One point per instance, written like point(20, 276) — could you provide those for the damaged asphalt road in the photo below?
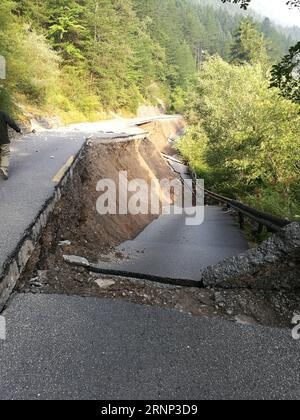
point(122, 338)
point(37, 160)
point(62, 347)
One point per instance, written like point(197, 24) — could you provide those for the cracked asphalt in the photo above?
point(65, 347)
point(36, 159)
point(170, 249)
point(61, 347)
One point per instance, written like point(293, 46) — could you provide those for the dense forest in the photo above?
point(80, 58)
point(243, 136)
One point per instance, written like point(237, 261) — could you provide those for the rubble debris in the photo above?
point(64, 243)
point(273, 265)
point(74, 260)
point(104, 284)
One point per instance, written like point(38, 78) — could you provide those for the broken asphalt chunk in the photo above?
point(74, 260)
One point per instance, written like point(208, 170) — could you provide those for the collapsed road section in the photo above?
point(76, 231)
point(41, 170)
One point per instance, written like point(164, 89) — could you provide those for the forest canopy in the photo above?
point(243, 136)
point(286, 74)
point(78, 58)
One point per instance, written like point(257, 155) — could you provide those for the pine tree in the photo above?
point(249, 44)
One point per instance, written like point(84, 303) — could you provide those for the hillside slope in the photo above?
point(79, 59)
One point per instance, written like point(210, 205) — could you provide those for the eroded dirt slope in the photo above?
point(91, 235)
point(76, 218)
point(160, 133)
point(76, 221)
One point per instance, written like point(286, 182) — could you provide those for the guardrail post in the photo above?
point(241, 220)
point(226, 207)
point(264, 220)
point(260, 228)
point(194, 189)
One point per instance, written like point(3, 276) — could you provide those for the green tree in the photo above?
point(242, 140)
point(249, 45)
point(285, 75)
point(98, 55)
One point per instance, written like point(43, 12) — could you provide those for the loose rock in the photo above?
point(74, 260)
point(272, 265)
point(105, 284)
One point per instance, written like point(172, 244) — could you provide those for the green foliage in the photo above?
point(286, 75)
point(276, 44)
point(77, 58)
point(248, 132)
point(249, 44)
point(276, 200)
point(178, 98)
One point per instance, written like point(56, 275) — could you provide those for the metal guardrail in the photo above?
point(262, 219)
point(272, 223)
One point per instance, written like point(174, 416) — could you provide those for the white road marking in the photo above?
point(60, 174)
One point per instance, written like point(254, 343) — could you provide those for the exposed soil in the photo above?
point(274, 309)
point(161, 133)
point(87, 234)
point(76, 218)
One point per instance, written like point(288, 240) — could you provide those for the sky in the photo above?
point(278, 11)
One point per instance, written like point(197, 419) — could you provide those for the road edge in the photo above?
point(16, 262)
